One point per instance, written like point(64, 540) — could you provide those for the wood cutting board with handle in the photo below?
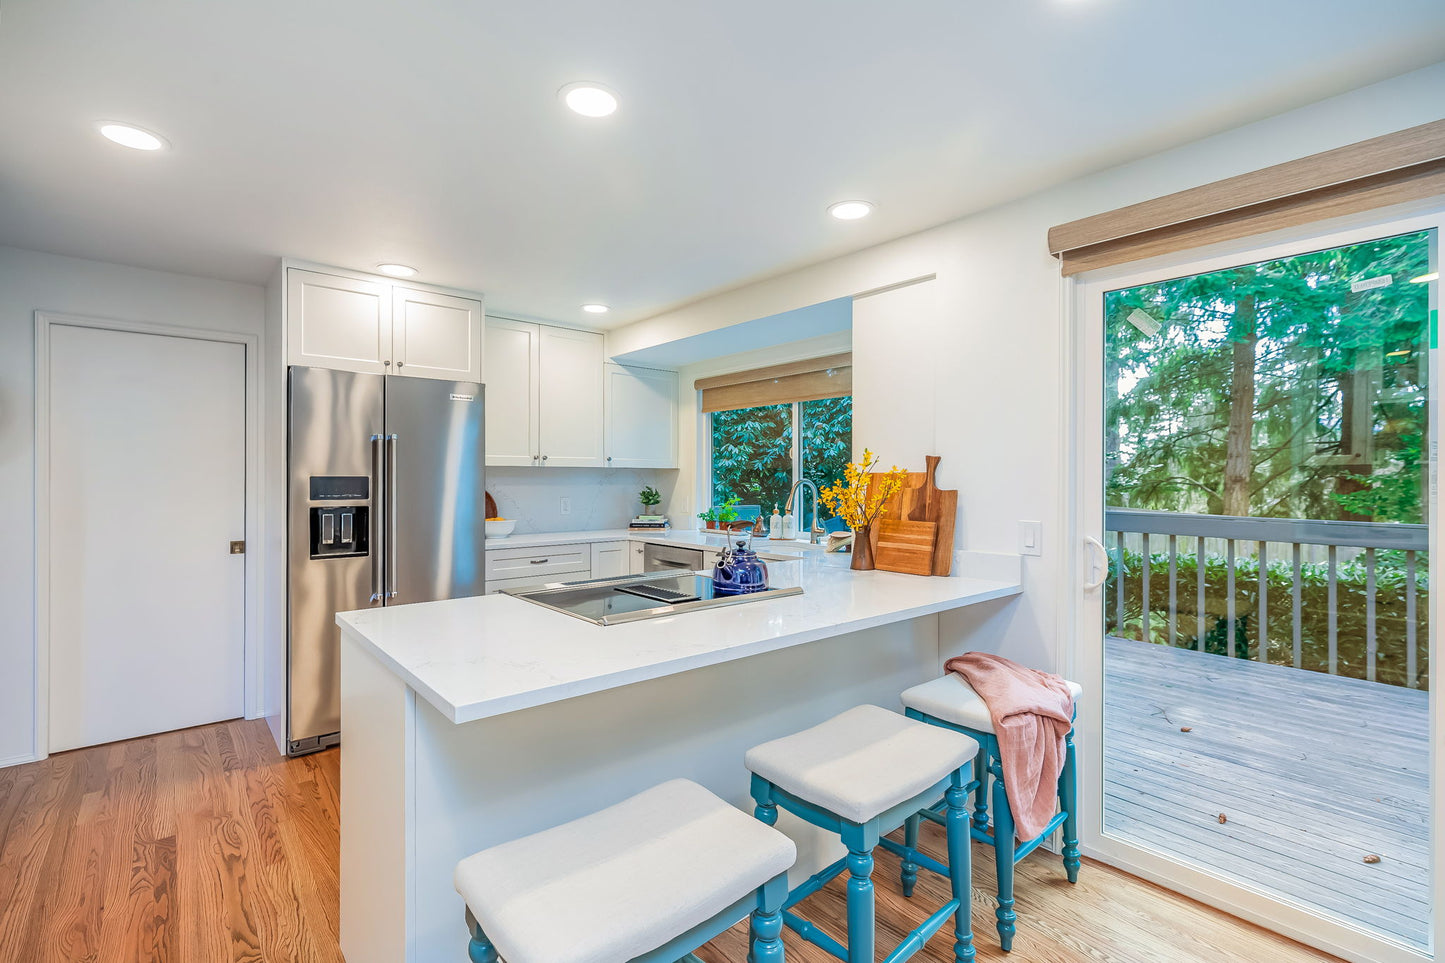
point(898, 539)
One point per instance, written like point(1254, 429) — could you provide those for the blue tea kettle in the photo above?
point(739, 571)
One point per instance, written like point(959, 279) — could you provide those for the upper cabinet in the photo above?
point(436, 335)
point(376, 326)
point(571, 398)
point(514, 361)
point(641, 416)
point(544, 395)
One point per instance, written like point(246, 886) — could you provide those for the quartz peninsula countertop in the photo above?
point(475, 658)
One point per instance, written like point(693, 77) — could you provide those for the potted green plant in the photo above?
point(709, 518)
point(650, 499)
point(728, 513)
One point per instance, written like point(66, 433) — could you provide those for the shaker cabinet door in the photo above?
point(513, 377)
point(571, 398)
point(436, 335)
point(641, 417)
point(337, 322)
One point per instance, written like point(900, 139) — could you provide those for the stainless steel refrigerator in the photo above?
point(386, 505)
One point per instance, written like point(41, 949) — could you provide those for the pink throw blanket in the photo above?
point(1032, 712)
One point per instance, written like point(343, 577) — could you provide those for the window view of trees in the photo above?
point(753, 452)
point(1292, 388)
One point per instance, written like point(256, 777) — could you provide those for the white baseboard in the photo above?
point(19, 760)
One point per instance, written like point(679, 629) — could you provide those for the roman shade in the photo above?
point(782, 384)
point(1407, 165)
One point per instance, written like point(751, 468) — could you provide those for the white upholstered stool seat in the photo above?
point(862, 762)
point(953, 700)
point(621, 882)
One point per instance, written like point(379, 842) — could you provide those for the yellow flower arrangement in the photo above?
point(857, 502)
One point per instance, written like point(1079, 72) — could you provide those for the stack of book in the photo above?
point(648, 523)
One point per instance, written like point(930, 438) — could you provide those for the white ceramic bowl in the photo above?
point(501, 527)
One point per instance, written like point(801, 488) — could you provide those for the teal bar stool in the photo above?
point(861, 775)
point(648, 880)
point(950, 703)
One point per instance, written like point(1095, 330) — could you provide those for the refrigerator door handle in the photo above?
point(390, 545)
point(379, 541)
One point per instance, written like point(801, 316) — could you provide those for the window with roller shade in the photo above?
point(771, 426)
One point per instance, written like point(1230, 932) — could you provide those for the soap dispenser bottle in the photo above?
point(790, 524)
point(775, 524)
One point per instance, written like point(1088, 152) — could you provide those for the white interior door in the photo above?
point(147, 461)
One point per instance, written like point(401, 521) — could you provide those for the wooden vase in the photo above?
point(862, 549)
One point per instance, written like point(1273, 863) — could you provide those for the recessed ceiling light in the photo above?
point(850, 210)
point(132, 137)
point(1426, 278)
point(397, 270)
point(595, 308)
point(589, 99)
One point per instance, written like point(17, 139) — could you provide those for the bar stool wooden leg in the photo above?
point(1069, 803)
point(861, 934)
point(980, 795)
point(960, 864)
point(767, 921)
point(480, 949)
point(1003, 848)
point(909, 873)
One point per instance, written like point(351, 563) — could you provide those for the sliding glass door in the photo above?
point(1255, 481)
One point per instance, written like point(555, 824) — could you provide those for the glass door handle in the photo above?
point(1103, 562)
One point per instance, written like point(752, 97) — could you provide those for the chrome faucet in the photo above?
point(816, 529)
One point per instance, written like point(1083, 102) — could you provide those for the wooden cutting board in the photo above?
point(904, 546)
point(920, 501)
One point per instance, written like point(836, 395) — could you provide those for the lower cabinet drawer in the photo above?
point(509, 563)
point(507, 584)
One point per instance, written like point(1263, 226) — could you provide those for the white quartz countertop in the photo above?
point(474, 658)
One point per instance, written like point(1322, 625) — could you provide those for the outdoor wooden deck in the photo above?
point(1312, 771)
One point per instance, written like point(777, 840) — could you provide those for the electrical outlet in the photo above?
point(1031, 538)
point(566, 507)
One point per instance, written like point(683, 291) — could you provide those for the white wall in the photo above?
point(989, 382)
point(30, 281)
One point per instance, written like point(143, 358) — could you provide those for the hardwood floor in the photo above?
point(205, 846)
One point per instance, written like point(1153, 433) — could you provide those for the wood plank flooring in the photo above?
point(206, 846)
point(1313, 772)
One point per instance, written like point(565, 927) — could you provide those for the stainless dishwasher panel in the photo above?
point(663, 558)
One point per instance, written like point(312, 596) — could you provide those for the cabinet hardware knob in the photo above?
point(387, 363)
point(544, 457)
point(609, 457)
point(401, 364)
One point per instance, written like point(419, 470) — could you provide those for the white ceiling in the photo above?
point(354, 132)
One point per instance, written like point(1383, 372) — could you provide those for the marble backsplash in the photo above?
point(600, 497)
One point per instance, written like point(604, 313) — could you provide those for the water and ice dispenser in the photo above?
point(339, 528)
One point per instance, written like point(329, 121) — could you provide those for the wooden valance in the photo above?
point(1407, 165)
point(780, 384)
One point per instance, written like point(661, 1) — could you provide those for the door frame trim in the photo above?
point(1084, 653)
point(252, 698)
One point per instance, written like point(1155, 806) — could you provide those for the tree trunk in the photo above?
point(1239, 445)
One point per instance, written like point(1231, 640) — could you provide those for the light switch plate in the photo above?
point(566, 507)
point(1031, 538)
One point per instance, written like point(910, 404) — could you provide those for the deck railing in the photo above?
point(1165, 540)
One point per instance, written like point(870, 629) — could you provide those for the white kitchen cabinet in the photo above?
point(641, 417)
point(636, 561)
point(610, 559)
point(513, 377)
point(338, 322)
point(435, 335)
point(376, 326)
point(571, 398)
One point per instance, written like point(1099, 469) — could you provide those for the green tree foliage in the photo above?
point(1275, 388)
point(752, 450)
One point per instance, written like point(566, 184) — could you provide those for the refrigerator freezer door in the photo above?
point(333, 416)
point(436, 506)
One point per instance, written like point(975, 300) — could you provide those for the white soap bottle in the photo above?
point(790, 524)
point(775, 524)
